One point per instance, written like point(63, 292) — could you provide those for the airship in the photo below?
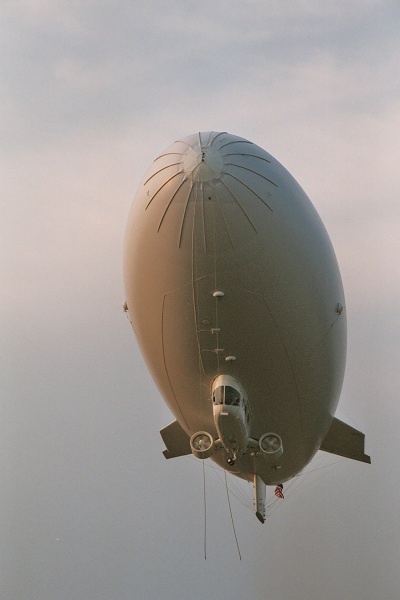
point(234, 294)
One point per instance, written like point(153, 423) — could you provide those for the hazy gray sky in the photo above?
point(91, 92)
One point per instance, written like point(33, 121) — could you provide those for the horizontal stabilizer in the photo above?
point(346, 441)
point(176, 440)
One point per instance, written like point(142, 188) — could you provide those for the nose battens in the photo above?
point(203, 164)
point(228, 175)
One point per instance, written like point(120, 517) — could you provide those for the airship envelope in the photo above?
point(235, 296)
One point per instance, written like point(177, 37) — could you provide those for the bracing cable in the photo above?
point(233, 524)
point(205, 512)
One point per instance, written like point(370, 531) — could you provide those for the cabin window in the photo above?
point(218, 396)
point(227, 395)
point(247, 412)
point(232, 396)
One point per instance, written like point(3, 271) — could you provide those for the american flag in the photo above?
point(279, 491)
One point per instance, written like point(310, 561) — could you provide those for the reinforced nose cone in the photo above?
point(203, 164)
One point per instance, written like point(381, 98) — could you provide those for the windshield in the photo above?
point(232, 396)
point(218, 395)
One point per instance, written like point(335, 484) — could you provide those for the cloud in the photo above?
point(133, 60)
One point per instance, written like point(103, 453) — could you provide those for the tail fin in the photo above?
point(176, 440)
point(346, 441)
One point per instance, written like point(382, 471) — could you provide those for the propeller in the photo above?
point(201, 442)
point(271, 443)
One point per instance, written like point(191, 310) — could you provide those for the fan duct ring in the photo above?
point(271, 445)
point(202, 444)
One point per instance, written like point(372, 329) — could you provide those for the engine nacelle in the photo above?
point(202, 444)
point(271, 445)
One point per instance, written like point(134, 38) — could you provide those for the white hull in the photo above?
point(229, 270)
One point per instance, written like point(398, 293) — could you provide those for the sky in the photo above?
point(91, 92)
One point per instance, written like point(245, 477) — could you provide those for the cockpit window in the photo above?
point(246, 412)
point(218, 395)
point(232, 396)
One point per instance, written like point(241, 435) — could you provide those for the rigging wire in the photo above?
point(205, 512)
point(241, 495)
point(233, 524)
point(235, 490)
point(300, 480)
